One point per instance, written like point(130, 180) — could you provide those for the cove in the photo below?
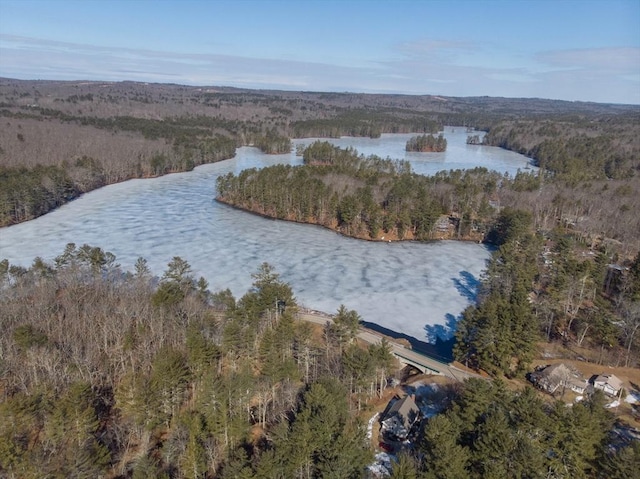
point(417, 289)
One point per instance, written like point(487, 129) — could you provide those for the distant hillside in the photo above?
point(148, 99)
point(60, 138)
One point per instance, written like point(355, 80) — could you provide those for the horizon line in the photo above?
point(342, 92)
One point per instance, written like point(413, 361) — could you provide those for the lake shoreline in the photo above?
point(150, 177)
point(386, 238)
point(417, 288)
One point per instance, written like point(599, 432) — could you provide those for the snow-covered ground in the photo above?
point(370, 425)
point(633, 397)
point(382, 465)
point(427, 398)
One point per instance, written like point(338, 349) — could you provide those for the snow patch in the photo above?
point(370, 425)
point(427, 398)
point(382, 465)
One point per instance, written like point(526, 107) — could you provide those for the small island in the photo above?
point(474, 140)
point(427, 144)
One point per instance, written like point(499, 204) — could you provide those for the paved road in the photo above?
point(371, 337)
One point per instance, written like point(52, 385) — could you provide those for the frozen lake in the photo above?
point(417, 289)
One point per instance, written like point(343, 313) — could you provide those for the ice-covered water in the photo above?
point(414, 288)
point(459, 155)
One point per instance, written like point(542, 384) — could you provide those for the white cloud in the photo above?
point(622, 60)
point(430, 47)
point(512, 76)
point(26, 57)
point(424, 67)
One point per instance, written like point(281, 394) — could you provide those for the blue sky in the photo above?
point(586, 50)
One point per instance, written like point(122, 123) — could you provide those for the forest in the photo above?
point(120, 374)
point(111, 373)
point(108, 373)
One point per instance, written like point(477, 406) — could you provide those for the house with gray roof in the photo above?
point(400, 417)
point(608, 383)
point(552, 378)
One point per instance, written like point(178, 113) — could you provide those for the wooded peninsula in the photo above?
point(120, 374)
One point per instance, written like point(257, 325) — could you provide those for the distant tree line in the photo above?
point(26, 193)
point(368, 122)
point(574, 149)
point(474, 140)
point(273, 143)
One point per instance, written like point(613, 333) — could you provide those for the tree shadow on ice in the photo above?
point(443, 334)
point(467, 285)
point(440, 349)
point(440, 338)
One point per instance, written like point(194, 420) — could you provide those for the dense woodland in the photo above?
point(109, 373)
point(117, 374)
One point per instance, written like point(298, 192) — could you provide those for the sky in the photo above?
point(576, 50)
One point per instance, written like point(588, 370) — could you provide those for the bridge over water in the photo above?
point(406, 356)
